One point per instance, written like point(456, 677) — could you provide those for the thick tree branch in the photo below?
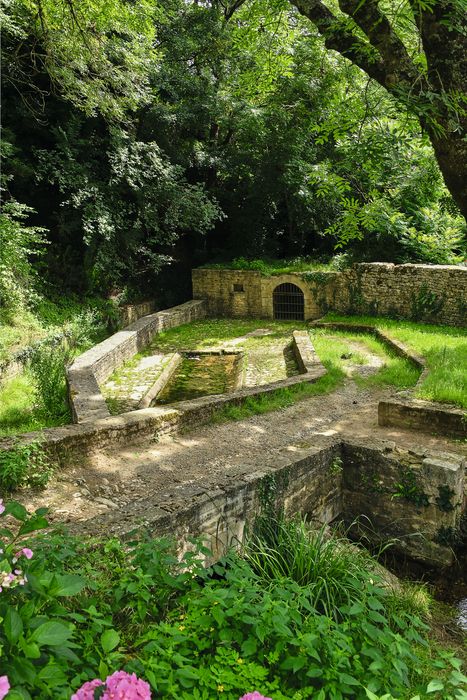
point(376, 26)
point(340, 39)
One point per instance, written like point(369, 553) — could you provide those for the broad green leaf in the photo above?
point(70, 584)
point(13, 625)
point(51, 633)
point(434, 686)
point(109, 640)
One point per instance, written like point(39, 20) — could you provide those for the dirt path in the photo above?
point(132, 479)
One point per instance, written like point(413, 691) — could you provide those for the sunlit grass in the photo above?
point(17, 408)
point(283, 398)
point(395, 371)
point(443, 347)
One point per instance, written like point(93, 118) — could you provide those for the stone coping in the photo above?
point(414, 414)
point(423, 415)
point(93, 367)
point(307, 481)
point(71, 443)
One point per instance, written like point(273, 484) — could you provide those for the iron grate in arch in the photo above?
point(288, 302)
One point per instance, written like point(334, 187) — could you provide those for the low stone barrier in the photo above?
point(414, 498)
point(423, 415)
point(304, 351)
point(164, 377)
point(72, 443)
point(97, 364)
point(129, 313)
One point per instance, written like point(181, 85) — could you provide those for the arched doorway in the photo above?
point(288, 302)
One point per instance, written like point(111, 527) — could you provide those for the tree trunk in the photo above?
point(451, 154)
point(444, 36)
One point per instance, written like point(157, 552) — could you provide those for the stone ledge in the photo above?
point(424, 416)
point(304, 351)
point(306, 481)
point(161, 381)
point(94, 366)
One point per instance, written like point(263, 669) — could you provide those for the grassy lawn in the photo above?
point(272, 266)
point(84, 324)
point(443, 347)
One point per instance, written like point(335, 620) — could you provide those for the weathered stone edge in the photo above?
point(301, 482)
point(161, 380)
point(75, 441)
point(96, 364)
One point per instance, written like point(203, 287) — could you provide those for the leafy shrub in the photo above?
point(90, 608)
point(47, 365)
point(24, 465)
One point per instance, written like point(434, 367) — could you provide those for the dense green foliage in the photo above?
point(91, 607)
point(149, 138)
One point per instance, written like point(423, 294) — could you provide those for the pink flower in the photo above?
point(26, 552)
point(125, 686)
point(119, 686)
point(254, 696)
point(86, 692)
point(2, 510)
point(4, 685)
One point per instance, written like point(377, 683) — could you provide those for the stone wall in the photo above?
point(414, 497)
point(97, 364)
point(430, 293)
point(129, 313)
point(326, 481)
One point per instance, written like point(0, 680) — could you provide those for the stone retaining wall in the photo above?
point(93, 367)
point(430, 293)
point(329, 480)
point(414, 497)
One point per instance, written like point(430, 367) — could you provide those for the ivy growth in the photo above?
point(426, 304)
point(444, 499)
point(408, 488)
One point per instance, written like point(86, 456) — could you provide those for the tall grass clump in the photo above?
point(333, 570)
point(47, 365)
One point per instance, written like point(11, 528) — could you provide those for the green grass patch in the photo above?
point(395, 371)
point(274, 266)
point(282, 398)
point(443, 347)
point(17, 408)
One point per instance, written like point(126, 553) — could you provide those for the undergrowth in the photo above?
point(294, 616)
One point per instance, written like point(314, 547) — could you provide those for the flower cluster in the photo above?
point(254, 696)
point(4, 686)
point(119, 686)
point(14, 576)
point(10, 574)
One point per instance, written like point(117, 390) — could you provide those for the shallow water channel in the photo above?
point(201, 375)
